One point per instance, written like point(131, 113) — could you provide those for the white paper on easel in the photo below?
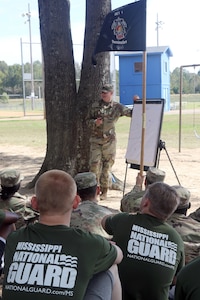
point(154, 114)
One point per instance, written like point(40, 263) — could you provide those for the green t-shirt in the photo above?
point(52, 262)
point(153, 254)
point(188, 284)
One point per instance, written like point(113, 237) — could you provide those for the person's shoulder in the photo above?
point(116, 104)
point(172, 232)
point(180, 220)
point(86, 206)
point(133, 195)
point(192, 251)
point(131, 201)
point(16, 235)
point(120, 217)
point(19, 197)
point(90, 237)
point(2, 216)
point(97, 104)
point(189, 269)
point(195, 215)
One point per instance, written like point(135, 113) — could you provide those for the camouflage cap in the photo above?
point(10, 177)
point(107, 88)
point(184, 195)
point(85, 180)
point(155, 175)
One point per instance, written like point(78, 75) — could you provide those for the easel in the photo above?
point(160, 147)
point(153, 144)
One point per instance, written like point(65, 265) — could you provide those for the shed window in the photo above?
point(138, 67)
point(165, 66)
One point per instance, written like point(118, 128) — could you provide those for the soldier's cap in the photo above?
point(85, 180)
point(184, 195)
point(155, 175)
point(10, 177)
point(107, 88)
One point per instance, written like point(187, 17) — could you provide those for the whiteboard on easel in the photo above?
point(154, 116)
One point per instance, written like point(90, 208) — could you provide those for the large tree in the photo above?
point(66, 109)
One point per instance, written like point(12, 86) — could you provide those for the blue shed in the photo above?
point(157, 75)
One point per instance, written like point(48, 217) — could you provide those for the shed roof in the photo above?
point(155, 49)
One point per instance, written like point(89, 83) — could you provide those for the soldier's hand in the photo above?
point(139, 180)
point(136, 98)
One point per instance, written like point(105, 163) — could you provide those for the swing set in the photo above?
point(180, 105)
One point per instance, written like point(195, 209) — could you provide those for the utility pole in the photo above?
point(28, 15)
point(158, 26)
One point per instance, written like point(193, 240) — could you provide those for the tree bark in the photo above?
point(92, 77)
point(66, 110)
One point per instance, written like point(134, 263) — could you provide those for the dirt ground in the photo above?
point(184, 166)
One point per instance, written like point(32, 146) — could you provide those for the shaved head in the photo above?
point(55, 191)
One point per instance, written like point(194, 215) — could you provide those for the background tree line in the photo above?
point(11, 81)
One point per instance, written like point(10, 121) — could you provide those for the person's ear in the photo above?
point(144, 203)
point(98, 190)
point(76, 201)
point(34, 203)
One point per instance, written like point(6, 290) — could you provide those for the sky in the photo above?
point(179, 29)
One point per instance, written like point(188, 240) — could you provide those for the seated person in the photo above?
point(129, 200)
point(188, 283)
point(89, 213)
point(51, 260)
point(188, 228)
point(12, 200)
point(153, 250)
point(195, 215)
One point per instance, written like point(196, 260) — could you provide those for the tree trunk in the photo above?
point(66, 111)
point(92, 77)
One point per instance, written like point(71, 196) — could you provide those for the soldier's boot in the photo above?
point(103, 195)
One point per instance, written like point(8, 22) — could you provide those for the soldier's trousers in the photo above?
point(102, 158)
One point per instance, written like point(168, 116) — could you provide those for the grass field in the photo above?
point(33, 132)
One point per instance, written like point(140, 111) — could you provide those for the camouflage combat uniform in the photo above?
point(103, 138)
point(88, 216)
point(131, 201)
point(20, 205)
point(195, 215)
point(15, 202)
point(189, 230)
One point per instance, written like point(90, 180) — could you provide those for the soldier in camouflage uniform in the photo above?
point(195, 215)
point(188, 228)
point(103, 116)
point(12, 200)
point(131, 201)
point(89, 214)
